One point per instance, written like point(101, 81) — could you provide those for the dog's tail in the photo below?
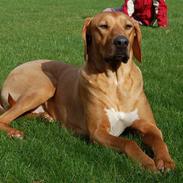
point(11, 103)
point(1, 106)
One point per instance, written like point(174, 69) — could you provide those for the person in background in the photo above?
point(146, 12)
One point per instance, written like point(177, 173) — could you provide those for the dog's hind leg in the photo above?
point(26, 102)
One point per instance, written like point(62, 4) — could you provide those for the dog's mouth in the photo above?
point(118, 58)
point(121, 57)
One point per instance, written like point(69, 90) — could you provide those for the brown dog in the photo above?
point(100, 99)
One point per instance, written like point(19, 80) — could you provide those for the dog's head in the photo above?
point(113, 36)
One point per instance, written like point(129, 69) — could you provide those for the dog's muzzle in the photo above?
point(121, 42)
point(121, 45)
point(120, 50)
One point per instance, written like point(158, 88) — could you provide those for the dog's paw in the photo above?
point(165, 165)
point(15, 134)
point(150, 165)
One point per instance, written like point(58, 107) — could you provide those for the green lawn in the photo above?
point(51, 29)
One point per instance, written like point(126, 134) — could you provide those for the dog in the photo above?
point(100, 99)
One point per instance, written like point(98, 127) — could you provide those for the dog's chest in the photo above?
point(119, 121)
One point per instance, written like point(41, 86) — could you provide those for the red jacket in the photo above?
point(146, 11)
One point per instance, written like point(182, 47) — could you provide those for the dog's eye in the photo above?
point(104, 26)
point(128, 26)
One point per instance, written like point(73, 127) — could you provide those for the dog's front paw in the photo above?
point(15, 134)
point(165, 164)
point(150, 165)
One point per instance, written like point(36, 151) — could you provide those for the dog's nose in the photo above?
point(121, 41)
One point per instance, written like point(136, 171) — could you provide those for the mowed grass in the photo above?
point(51, 29)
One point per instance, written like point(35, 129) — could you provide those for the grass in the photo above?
point(52, 29)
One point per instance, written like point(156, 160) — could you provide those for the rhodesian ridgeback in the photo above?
point(100, 99)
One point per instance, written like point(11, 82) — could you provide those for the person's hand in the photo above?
point(163, 26)
point(136, 21)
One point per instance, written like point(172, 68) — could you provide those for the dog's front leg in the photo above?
point(99, 132)
point(152, 136)
point(123, 145)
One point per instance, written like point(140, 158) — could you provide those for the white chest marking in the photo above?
point(119, 121)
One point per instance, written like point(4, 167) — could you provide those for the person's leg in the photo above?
point(112, 9)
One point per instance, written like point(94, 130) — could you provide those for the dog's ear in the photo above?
point(137, 42)
point(86, 35)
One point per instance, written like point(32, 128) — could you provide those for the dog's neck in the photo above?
point(95, 64)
